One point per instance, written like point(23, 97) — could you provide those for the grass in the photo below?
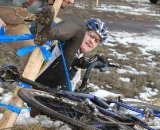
point(136, 60)
point(31, 127)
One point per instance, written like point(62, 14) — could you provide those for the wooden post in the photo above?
point(97, 3)
point(31, 71)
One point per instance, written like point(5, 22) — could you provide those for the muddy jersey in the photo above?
point(37, 5)
point(70, 32)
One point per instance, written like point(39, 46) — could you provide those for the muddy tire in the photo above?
point(70, 111)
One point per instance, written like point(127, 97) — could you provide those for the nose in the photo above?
point(92, 41)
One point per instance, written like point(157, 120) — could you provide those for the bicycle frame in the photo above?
point(104, 110)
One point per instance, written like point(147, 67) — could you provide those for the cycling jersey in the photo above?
point(70, 32)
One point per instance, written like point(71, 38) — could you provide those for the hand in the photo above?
point(102, 62)
point(2, 23)
point(99, 58)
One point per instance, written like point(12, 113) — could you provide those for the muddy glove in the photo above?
point(103, 63)
point(85, 62)
point(82, 62)
point(43, 24)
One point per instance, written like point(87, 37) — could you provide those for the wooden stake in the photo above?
point(31, 71)
point(97, 3)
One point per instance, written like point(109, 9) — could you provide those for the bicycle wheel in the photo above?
point(147, 111)
point(141, 105)
point(72, 112)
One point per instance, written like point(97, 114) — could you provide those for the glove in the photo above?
point(97, 57)
point(82, 62)
point(102, 63)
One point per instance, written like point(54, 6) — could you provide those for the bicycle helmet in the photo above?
point(99, 27)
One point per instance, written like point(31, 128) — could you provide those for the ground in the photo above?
point(132, 19)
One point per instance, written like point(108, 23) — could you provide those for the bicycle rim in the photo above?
point(64, 109)
point(141, 105)
point(33, 97)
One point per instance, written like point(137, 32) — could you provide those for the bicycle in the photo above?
point(79, 110)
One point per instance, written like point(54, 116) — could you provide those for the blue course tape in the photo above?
point(11, 107)
point(14, 108)
point(65, 67)
point(24, 85)
point(7, 38)
point(46, 54)
point(25, 50)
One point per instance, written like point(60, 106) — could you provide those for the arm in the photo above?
point(69, 28)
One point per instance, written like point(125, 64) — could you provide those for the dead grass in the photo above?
point(32, 127)
point(135, 60)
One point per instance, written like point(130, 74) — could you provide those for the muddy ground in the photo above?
point(124, 22)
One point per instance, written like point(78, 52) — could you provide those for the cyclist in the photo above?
point(14, 12)
point(78, 37)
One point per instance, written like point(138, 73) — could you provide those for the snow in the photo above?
point(1, 90)
point(105, 94)
point(147, 41)
point(125, 79)
point(147, 94)
point(7, 97)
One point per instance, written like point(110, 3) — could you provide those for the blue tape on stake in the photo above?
point(46, 54)
point(25, 50)
point(11, 107)
point(24, 85)
point(7, 38)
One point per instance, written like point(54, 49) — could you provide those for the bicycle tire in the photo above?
point(141, 105)
point(28, 95)
point(31, 96)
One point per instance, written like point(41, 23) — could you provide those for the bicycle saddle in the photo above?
point(9, 73)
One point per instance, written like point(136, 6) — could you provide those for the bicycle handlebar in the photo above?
point(96, 64)
point(10, 73)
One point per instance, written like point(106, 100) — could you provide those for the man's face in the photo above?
point(65, 3)
point(90, 42)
